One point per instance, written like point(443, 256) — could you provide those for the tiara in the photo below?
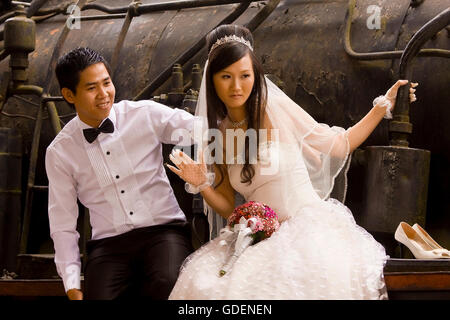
point(226, 39)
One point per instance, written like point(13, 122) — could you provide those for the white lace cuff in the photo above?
point(383, 102)
point(196, 189)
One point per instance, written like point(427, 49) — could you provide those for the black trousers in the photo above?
point(144, 262)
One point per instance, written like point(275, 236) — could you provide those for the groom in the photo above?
point(110, 158)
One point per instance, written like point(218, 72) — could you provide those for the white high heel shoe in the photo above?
point(420, 248)
point(425, 236)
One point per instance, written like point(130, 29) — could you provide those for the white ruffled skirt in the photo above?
point(318, 253)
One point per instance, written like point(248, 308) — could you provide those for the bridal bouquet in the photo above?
point(248, 224)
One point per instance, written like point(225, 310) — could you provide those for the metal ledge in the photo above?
point(405, 279)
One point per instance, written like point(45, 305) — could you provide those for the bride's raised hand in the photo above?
point(192, 172)
point(391, 94)
point(388, 100)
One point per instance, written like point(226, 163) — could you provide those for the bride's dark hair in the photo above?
point(220, 58)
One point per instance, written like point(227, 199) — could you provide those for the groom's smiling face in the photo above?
point(94, 94)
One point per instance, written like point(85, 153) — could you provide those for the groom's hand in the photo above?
point(75, 294)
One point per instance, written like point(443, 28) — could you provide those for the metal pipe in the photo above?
point(34, 7)
point(103, 17)
point(262, 15)
point(27, 89)
point(146, 8)
point(54, 118)
point(50, 98)
point(400, 127)
point(6, 16)
point(48, 101)
point(163, 6)
point(40, 188)
point(30, 182)
point(20, 3)
point(187, 4)
point(382, 55)
point(123, 32)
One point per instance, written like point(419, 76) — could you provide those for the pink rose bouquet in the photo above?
point(249, 223)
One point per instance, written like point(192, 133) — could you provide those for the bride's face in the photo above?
point(234, 83)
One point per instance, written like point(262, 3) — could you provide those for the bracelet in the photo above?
point(196, 189)
point(383, 102)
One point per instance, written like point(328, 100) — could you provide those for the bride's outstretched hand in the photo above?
point(193, 172)
point(388, 100)
point(391, 94)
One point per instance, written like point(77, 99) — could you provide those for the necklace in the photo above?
point(237, 124)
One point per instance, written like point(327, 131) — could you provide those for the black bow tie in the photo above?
point(92, 133)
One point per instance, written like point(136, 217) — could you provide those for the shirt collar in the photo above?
point(111, 116)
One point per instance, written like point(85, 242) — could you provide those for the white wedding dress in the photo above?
point(319, 252)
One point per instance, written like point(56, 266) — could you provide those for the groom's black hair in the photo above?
point(70, 65)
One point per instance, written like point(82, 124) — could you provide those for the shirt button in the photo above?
point(108, 153)
point(122, 191)
point(117, 177)
point(131, 212)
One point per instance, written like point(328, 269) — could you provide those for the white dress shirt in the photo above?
point(120, 178)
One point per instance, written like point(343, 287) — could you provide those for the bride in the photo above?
point(319, 252)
